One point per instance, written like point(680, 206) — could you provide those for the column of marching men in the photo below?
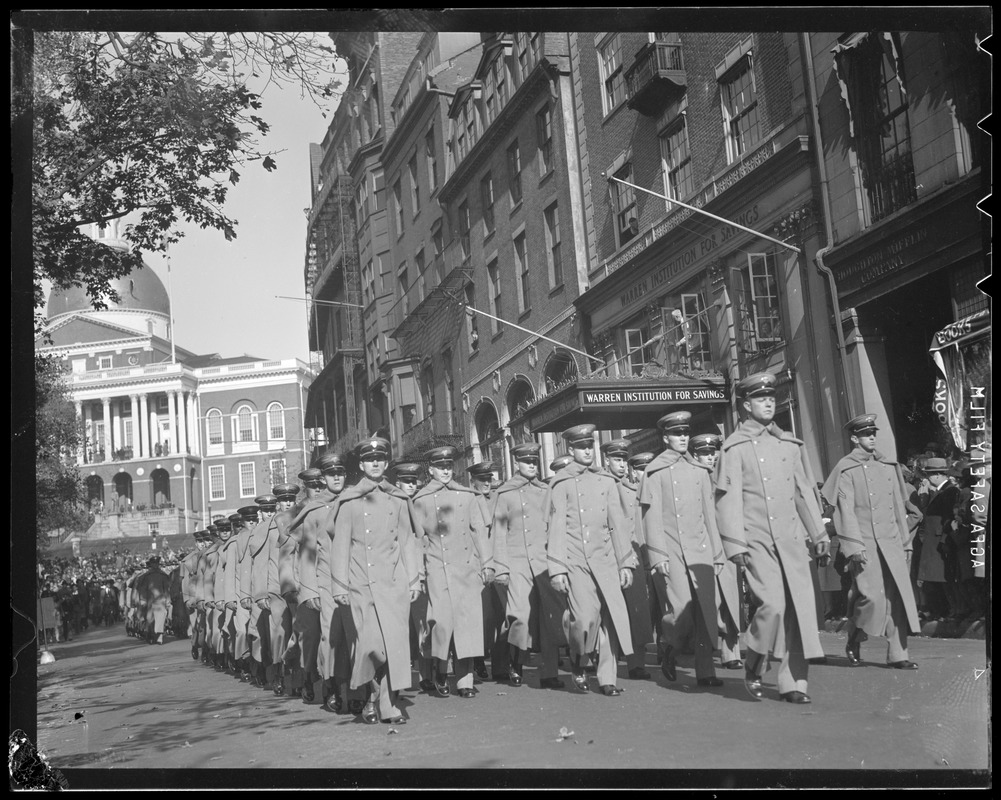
point(335, 593)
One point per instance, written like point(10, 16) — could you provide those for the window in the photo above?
point(514, 172)
point(213, 424)
point(276, 421)
point(248, 480)
point(494, 281)
point(368, 283)
point(153, 529)
point(490, 95)
point(676, 160)
point(398, 207)
point(361, 201)
point(740, 108)
point(544, 129)
point(404, 283)
point(104, 362)
point(127, 433)
point(613, 85)
point(487, 197)
point(415, 188)
point(245, 426)
point(626, 225)
point(521, 271)
point(765, 296)
point(79, 365)
point(694, 332)
point(536, 47)
point(472, 327)
point(878, 111)
point(521, 43)
point(464, 230)
point(439, 262)
point(638, 354)
point(554, 261)
point(432, 160)
point(500, 79)
point(217, 482)
point(421, 283)
point(276, 466)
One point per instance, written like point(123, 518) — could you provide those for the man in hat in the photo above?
point(207, 567)
point(376, 572)
point(310, 521)
point(590, 560)
point(767, 508)
point(190, 591)
point(866, 489)
point(280, 581)
point(249, 517)
point(154, 598)
point(534, 612)
point(558, 463)
point(458, 563)
point(937, 558)
point(493, 596)
point(255, 586)
point(616, 457)
point(408, 481)
point(686, 555)
point(226, 583)
point(637, 466)
point(705, 448)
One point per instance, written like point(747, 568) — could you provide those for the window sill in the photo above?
point(246, 447)
point(515, 208)
point(614, 110)
point(524, 314)
point(494, 337)
point(556, 289)
point(276, 444)
point(489, 235)
point(545, 178)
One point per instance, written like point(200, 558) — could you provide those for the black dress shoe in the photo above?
point(668, 666)
point(355, 706)
point(481, 674)
point(796, 697)
point(441, 687)
point(307, 693)
point(515, 678)
point(465, 693)
point(903, 665)
point(610, 691)
point(713, 681)
point(368, 715)
point(396, 720)
point(639, 674)
point(752, 683)
point(732, 664)
point(279, 688)
point(194, 653)
point(334, 704)
point(551, 683)
point(426, 686)
point(853, 651)
point(579, 680)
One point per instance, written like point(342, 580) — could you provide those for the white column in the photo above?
point(116, 428)
point(136, 427)
point(106, 402)
point(182, 418)
point(197, 426)
point(83, 431)
point(142, 427)
point(172, 416)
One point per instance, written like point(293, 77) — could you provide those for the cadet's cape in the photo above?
point(669, 458)
point(364, 487)
point(510, 485)
point(434, 485)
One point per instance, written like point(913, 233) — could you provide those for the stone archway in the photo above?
point(520, 395)
point(560, 369)
point(159, 480)
point(488, 436)
point(95, 492)
point(122, 483)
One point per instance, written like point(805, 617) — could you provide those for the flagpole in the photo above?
point(170, 305)
point(534, 333)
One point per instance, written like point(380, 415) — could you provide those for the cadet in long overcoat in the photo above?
point(534, 611)
point(259, 626)
point(376, 569)
point(590, 560)
point(244, 566)
point(493, 595)
point(768, 510)
point(458, 563)
point(190, 590)
point(280, 549)
point(208, 566)
point(684, 548)
point(616, 457)
point(154, 598)
point(225, 588)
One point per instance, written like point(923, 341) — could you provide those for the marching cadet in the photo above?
point(705, 447)
point(638, 464)
point(154, 599)
point(767, 507)
point(337, 633)
point(226, 583)
point(407, 480)
point(309, 522)
point(241, 615)
point(377, 575)
point(534, 612)
point(616, 457)
point(481, 477)
point(190, 577)
point(256, 582)
point(866, 489)
point(458, 565)
point(180, 621)
point(686, 555)
point(557, 464)
point(590, 560)
point(280, 581)
point(206, 583)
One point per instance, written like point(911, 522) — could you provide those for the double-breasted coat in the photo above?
point(518, 532)
point(281, 557)
point(637, 595)
point(588, 540)
point(313, 624)
point(870, 516)
point(456, 552)
point(767, 507)
point(257, 586)
point(375, 561)
point(337, 629)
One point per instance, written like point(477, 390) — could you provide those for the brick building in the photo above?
point(170, 438)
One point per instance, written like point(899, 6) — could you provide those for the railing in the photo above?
point(156, 369)
point(890, 186)
point(653, 61)
point(426, 283)
point(439, 425)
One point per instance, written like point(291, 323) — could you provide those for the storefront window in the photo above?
point(638, 355)
point(756, 294)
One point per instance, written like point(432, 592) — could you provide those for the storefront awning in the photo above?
point(620, 403)
point(962, 353)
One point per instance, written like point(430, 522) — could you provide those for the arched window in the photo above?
point(519, 397)
point(276, 421)
point(213, 427)
point(246, 424)
point(489, 435)
point(560, 370)
point(160, 480)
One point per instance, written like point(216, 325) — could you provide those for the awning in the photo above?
point(621, 403)
point(962, 353)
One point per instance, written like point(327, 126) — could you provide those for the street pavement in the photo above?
point(110, 702)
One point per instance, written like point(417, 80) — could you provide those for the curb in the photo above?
point(935, 629)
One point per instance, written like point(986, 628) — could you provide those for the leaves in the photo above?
point(269, 163)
